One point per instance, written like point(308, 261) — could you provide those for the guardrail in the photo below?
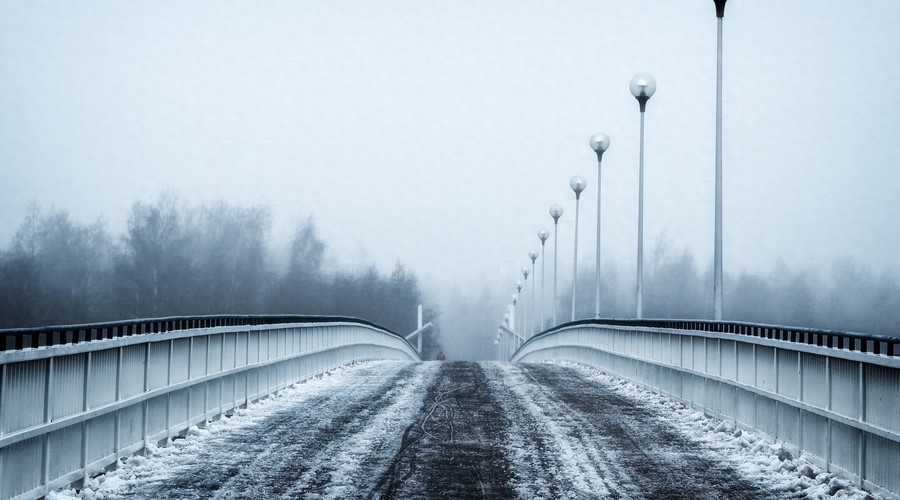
point(833, 395)
point(68, 411)
point(24, 338)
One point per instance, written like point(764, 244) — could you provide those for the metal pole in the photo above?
point(524, 313)
point(599, 143)
point(420, 327)
point(640, 250)
point(575, 257)
point(717, 286)
point(543, 280)
point(597, 271)
point(533, 279)
point(555, 265)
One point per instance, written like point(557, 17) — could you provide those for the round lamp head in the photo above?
point(496, 342)
point(642, 88)
point(543, 234)
point(599, 143)
point(556, 212)
point(533, 255)
point(525, 272)
point(578, 183)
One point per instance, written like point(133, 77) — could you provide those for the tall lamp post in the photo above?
point(556, 212)
point(599, 143)
point(524, 329)
point(717, 284)
point(515, 315)
point(577, 183)
point(515, 299)
point(533, 255)
point(543, 235)
point(642, 88)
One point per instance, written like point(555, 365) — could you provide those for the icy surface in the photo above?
point(763, 461)
point(462, 430)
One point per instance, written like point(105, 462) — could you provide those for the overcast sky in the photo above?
point(438, 133)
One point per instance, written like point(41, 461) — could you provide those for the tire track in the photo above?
point(633, 451)
point(456, 450)
point(291, 453)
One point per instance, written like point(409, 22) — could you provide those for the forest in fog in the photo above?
point(179, 259)
point(844, 295)
point(175, 258)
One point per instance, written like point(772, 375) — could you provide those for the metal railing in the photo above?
point(24, 338)
point(833, 395)
point(70, 410)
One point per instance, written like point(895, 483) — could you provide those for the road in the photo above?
point(442, 430)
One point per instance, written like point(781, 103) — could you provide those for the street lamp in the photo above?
point(543, 235)
point(556, 212)
point(599, 143)
point(533, 255)
point(717, 266)
point(515, 315)
point(642, 88)
point(515, 312)
point(525, 273)
point(577, 183)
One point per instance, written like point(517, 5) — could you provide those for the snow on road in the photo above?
point(466, 430)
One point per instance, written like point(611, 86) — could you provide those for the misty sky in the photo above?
point(438, 133)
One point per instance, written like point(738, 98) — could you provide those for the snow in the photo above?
point(159, 463)
point(757, 458)
point(753, 455)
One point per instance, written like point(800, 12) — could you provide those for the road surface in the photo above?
point(443, 430)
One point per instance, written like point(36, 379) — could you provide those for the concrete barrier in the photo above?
point(70, 411)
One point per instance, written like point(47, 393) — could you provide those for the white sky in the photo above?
point(438, 133)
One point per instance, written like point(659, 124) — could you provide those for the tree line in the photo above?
point(845, 296)
point(177, 259)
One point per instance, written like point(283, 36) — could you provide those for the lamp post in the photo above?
point(533, 255)
point(543, 235)
point(717, 266)
point(642, 88)
point(577, 183)
point(524, 329)
point(514, 340)
point(515, 314)
point(599, 143)
point(501, 336)
point(556, 212)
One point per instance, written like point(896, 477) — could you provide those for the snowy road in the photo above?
point(466, 430)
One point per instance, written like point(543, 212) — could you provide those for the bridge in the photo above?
point(79, 401)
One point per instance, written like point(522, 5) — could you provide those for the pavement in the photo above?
point(452, 430)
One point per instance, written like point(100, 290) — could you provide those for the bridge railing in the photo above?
point(68, 411)
point(834, 396)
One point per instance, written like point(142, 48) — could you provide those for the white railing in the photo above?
point(69, 411)
point(834, 396)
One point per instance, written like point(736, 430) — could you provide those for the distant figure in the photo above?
point(441, 357)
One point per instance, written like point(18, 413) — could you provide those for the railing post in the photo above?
point(862, 418)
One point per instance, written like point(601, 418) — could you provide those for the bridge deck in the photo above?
point(458, 430)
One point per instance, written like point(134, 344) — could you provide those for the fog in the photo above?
point(845, 295)
point(436, 135)
point(177, 259)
